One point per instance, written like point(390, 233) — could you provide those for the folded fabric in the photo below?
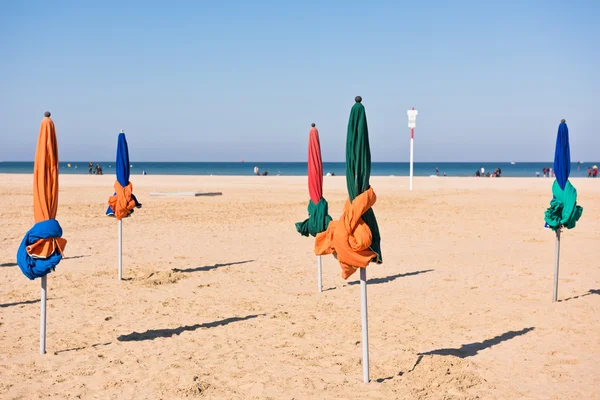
point(318, 219)
point(563, 210)
point(122, 203)
point(41, 249)
point(350, 238)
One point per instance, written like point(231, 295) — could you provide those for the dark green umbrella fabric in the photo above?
point(318, 219)
point(358, 167)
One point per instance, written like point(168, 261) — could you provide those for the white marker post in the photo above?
point(412, 123)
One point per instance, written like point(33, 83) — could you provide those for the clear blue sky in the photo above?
point(226, 80)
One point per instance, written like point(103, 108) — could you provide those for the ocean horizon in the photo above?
point(455, 169)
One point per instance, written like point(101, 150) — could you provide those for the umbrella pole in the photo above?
point(412, 142)
point(120, 249)
point(320, 273)
point(365, 325)
point(43, 316)
point(555, 296)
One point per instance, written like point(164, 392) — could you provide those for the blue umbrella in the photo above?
point(123, 199)
point(123, 170)
point(562, 155)
point(563, 211)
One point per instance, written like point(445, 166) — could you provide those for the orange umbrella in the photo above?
point(42, 247)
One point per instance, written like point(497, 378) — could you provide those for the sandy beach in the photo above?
point(220, 295)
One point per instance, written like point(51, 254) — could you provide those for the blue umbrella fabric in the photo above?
point(562, 156)
point(563, 210)
point(123, 173)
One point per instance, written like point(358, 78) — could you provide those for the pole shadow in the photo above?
point(466, 350)
point(471, 349)
point(74, 257)
point(20, 303)
point(165, 333)
point(81, 348)
point(589, 293)
point(376, 281)
point(210, 267)
point(11, 264)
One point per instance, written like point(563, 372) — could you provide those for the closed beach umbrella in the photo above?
point(123, 202)
point(318, 214)
point(563, 210)
point(42, 247)
point(355, 239)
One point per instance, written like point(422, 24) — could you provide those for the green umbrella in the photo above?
point(358, 172)
point(358, 167)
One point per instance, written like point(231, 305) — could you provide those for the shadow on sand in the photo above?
point(589, 293)
point(210, 267)
point(8, 264)
point(471, 349)
point(81, 348)
point(20, 303)
point(466, 350)
point(165, 333)
point(375, 281)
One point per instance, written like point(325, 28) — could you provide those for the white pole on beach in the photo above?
point(555, 297)
point(320, 272)
point(412, 122)
point(43, 316)
point(120, 223)
point(365, 324)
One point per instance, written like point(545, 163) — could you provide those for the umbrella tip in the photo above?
point(122, 131)
point(563, 120)
point(358, 99)
point(47, 114)
point(313, 125)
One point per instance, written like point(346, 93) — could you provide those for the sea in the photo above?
point(456, 169)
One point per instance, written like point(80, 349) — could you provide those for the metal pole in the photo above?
point(554, 298)
point(120, 249)
point(43, 316)
point(412, 142)
point(365, 324)
point(320, 269)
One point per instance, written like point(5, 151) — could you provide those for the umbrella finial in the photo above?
point(563, 120)
point(122, 131)
point(313, 124)
point(358, 99)
point(47, 114)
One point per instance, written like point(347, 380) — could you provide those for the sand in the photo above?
point(220, 295)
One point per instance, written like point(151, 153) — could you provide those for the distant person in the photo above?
point(482, 170)
point(256, 170)
point(478, 173)
point(444, 174)
point(90, 167)
point(589, 172)
point(265, 173)
point(437, 171)
point(595, 172)
point(144, 172)
point(537, 174)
